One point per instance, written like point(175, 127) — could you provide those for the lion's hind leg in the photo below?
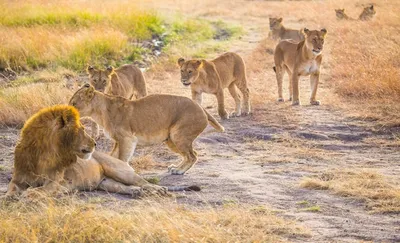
point(236, 97)
point(112, 186)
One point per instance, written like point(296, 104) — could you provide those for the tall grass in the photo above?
point(103, 220)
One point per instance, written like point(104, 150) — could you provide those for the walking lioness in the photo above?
point(157, 118)
point(212, 77)
point(300, 59)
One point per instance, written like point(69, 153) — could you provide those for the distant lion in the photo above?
point(279, 32)
point(340, 14)
point(127, 81)
point(368, 13)
point(175, 120)
point(51, 140)
point(212, 77)
point(300, 59)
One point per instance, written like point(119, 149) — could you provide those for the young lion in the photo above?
point(368, 13)
point(126, 81)
point(300, 59)
point(51, 140)
point(212, 77)
point(158, 118)
point(340, 14)
point(279, 32)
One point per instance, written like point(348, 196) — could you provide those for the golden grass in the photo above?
point(379, 194)
point(106, 220)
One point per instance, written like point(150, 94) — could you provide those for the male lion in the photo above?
point(340, 14)
point(175, 120)
point(367, 13)
point(212, 77)
point(279, 32)
point(51, 140)
point(126, 81)
point(300, 59)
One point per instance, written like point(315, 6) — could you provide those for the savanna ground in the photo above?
point(326, 173)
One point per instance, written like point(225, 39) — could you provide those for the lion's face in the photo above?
point(189, 70)
point(315, 40)
point(275, 23)
point(82, 100)
point(100, 79)
point(83, 145)
point(340, 13)
point(369, 11)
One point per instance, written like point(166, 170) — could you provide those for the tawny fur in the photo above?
point(50, 141)
point(175, 120)
point(341, 15)
point(212, 77)
point(300, 59)
point(368, 13)
point(279, 32)
point(127, 81)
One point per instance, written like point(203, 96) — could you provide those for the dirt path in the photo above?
point(261, 159)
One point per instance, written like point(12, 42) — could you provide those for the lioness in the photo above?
point(279, 32)
point(367, 13)
point(340, 14)
point(300, 59)
point(50, 141)
point(175, 120)
point(212, 77)
point(126, 81)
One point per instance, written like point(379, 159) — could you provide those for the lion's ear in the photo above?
point(306, 31)
point(372, 7)
point(324, 32)
point(280, 20)
point(109, 70)
point(90, 69)
point(67, 118)
point(181, 61)
point(197, 64)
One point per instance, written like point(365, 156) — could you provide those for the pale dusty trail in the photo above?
point(261, 159)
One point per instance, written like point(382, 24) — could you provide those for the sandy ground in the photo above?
point(261, 159)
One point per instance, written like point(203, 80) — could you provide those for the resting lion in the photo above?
point(340, 14)
point(368, 13)
point(279, 32)
point(127, 81)
point(300, 59)
point(175, 120)
point(55, 155)
point(212, 77)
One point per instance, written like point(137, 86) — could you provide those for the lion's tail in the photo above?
point(214, 122)
point(184, 188)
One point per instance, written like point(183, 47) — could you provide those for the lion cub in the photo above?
point(279, 32)
point(126, 81)
point(212, 77)
point(300, 59)
point(175, 120)
point(340, 14)
point(368, 13)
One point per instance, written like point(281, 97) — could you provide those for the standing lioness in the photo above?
point(157, 118)
point(300, 59)
point(212, 77)
point(127, 81)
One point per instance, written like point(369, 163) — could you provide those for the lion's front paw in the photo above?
point(151, 189)
point(236, 113)
point(280, 100)
point(224, 115)
point(315, 102)
point(295, 102)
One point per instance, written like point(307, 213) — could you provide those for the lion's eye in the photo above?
point(190, 72)
point(181, 71)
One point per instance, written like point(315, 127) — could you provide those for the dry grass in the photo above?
point(379, 194)
point(106, 220)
